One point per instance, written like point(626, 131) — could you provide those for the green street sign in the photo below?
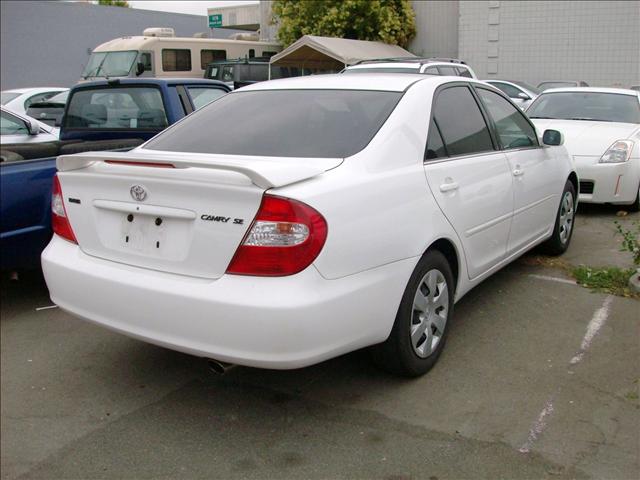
point(215, 20)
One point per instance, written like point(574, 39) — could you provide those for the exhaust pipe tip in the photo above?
point(218, 367)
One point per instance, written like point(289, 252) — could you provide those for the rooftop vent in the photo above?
point(159, 32)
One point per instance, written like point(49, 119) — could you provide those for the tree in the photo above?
point(388, 21)
point(114, 3)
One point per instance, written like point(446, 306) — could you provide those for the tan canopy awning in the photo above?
point(329, 53)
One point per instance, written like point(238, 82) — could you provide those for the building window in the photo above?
point(208, 56)
point(174, 60)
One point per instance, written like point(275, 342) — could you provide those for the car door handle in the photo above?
point(448, 187)
point(518, 172)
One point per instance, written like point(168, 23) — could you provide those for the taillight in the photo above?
point(285, 237)
point(59, 219)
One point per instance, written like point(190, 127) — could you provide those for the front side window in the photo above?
point(176, 60)
point(461, 123)
point(10, 125)
point(201, 96)
point(514, 131)
point(114, 108)
point(227, 73)
point(593, 106)
point(208, 56)
point(282, 123)
point(110, 64)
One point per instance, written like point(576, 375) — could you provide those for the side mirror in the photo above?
point(139, 69)
point(552, 138)
point(523, 96)
point(33, 127)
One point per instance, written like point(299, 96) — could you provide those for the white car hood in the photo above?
point(583, 137)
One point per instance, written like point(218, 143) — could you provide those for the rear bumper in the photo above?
point(285, 322)
point(611, 182)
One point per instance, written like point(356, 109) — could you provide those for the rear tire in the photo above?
point(420, 328)
point(563, 229)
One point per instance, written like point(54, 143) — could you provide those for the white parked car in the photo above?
point(340, 212)
point(601, 127)
point(561, 84)
point(520, 93)
point(19, 99)
point(451, 67)
point(15, 128)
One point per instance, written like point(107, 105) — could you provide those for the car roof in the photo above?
point(621, 91)
point(148, 81)
point(34, 90)
point(390, 82)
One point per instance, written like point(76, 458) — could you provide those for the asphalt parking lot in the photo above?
point(539, 380)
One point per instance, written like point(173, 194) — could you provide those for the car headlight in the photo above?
point(619, 152)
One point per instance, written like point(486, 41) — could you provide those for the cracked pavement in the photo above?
point(82, 402)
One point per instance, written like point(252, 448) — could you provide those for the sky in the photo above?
point(191, 7)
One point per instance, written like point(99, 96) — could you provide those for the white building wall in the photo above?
point(436, 29)
point(594, 41)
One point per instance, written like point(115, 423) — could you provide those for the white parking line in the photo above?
point(537, 427)
point(597, 321)
point(46, 308)
point(553, 279)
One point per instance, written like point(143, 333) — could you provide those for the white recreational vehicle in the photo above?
point(159, 53)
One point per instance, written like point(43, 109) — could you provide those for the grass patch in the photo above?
point(612, 280)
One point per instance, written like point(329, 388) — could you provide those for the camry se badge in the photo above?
point(138, 192)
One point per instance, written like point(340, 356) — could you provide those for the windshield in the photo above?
point(547, 85)
point(6, 97)
point(282, 123)
point(59, 98)
point(382, 70)
point(116, 108)
point(602, 107)
point(531, 88)
point(110, 64)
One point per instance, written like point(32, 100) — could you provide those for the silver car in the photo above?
point(520, 93)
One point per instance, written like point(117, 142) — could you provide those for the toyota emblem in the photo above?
point(138, 193)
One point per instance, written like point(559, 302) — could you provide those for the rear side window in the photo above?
point(176, 60)
point(282, 123)
point(514, 131)
point(113, 108)
point(461, 123)
point(510, 91)
point(208, 56)
point(464, 72)
point(448, 71)
point(203, 95)
point(435, 145)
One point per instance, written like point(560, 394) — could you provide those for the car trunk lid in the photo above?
point(172, 212)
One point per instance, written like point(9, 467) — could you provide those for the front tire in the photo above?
point(563, 229)
point(420, 328)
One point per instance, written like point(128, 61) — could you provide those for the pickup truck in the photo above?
point(116, 114)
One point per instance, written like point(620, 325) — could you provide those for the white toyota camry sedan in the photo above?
point(601, 127)
point(295, 220)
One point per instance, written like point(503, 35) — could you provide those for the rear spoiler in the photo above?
point(265, 172)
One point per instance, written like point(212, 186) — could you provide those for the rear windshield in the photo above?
point(547, 85)
point(603, 107)
point(282, 123)
point(116, 108)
